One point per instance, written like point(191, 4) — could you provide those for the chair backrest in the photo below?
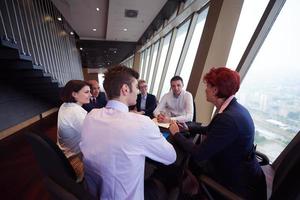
point(287, 174)
point(195, 114)
point(59, 174)
point(51, 159)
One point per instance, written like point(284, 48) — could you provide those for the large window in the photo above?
point(179, 42)
point(146, 63)
point(162, 60)
point(155, 49)
point(192, 50)
point(271, 89)
point(142, 62)
point(251, 13)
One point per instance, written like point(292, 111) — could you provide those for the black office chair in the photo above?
point(194, 116)
point(60, 177)
point(282, 177)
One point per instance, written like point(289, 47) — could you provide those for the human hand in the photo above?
point(182, 126)
point(160, 118)
point(173, 128)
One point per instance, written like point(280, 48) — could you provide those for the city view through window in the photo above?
point(271, 88)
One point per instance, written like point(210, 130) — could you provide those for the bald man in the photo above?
point(98, 99)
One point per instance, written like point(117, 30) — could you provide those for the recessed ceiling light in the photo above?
point(59, 19)
point(71, 33)
point(125, 29)
point(97, 9)
point(94, 29)
point(81, 48)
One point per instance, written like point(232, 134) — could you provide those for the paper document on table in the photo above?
point(163, 125)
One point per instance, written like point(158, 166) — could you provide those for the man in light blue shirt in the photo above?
point(115, 142)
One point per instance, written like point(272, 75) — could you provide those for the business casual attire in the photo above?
point(69, 124)
point(146, 103)
point(96, 102)
point(114, 144)
point(229, 149)
point(179, 108)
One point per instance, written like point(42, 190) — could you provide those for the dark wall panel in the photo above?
point(16, 106)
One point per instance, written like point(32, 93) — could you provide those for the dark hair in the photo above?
point(226, 80)
point(176, 78)
point(116, 77)
point(70, 87)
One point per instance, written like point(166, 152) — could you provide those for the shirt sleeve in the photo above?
point(189, 109)
point(156, 147)
point(161, 106)
point(219, 136)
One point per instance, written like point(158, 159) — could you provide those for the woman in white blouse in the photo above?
point(70, 119)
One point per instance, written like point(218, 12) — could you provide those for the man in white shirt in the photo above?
point(115, 141)
point(176, 104)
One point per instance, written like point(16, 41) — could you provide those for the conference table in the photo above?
point(181, 159)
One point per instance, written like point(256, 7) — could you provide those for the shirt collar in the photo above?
point(144, 96)
point(181, 93)
point(117, 105)
point(226, 103)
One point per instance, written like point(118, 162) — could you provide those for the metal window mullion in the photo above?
point(187, 42)
point(167, 61)
point(161, 44)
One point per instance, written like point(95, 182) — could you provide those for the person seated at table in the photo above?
point(70, 119)
point(115, 142)
point(176, 104)
point(229, 138)
point(98, 98)
point(145, 103)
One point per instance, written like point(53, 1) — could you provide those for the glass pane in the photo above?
point(149, 80)
point(251, 13)
point(179, 41)
point(192, 50)
point(162, 60)
point(271, 89)
point(142, 63)
point(146, 63)
point(100, 80)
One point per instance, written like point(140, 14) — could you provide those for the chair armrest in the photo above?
point(218, 187)
point(262, 158)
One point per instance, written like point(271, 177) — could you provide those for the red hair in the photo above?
point(226, 80)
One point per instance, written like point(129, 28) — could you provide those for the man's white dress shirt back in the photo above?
point(114, 144)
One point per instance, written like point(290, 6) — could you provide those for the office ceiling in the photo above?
point(115, 35)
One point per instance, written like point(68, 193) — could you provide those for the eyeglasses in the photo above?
point(143, 86)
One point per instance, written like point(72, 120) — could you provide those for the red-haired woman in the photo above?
point(228, 146)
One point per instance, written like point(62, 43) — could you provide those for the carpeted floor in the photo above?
point(20, 176)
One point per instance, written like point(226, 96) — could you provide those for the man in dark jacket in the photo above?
point(98, 99)
point(145, 103)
